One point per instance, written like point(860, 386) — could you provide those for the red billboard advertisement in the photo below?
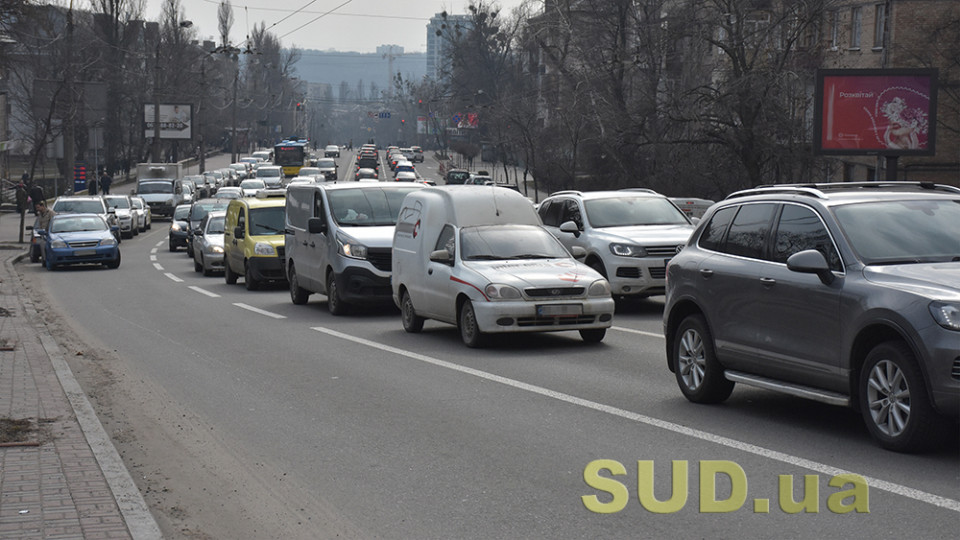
point(876, 111)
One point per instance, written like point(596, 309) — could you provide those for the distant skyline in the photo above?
point(341, 25)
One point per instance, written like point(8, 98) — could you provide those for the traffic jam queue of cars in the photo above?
point(847, 294)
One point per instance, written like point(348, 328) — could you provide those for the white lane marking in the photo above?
point(160, 243)
point(153, 251)
point(158, 267)
point(153, 258)
point(173, 277)
point(883, 485)
point(203, 291)
point(632, 331)
point(260, 311)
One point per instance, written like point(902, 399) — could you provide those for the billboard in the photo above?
point(876, 111)
point(176, 121)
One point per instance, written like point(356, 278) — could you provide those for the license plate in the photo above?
point(560, 310)
point(84, 253)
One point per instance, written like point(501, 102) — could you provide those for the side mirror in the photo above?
point(316, 225)
point(441, 256)
point(238, 232)
point(30, 228)
point(578, 253)
point(198, 232)
point(811, 261)
point(41, 232)
point(695, 220)
point(570, 227)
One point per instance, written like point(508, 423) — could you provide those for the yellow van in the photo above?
point(253, 239)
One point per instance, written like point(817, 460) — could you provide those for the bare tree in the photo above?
point(224, 21)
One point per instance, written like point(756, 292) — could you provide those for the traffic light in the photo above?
point(299, 106)
point(403, 121)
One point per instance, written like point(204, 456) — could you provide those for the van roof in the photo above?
point(481, 205)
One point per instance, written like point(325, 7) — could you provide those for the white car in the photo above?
point(127, 218)
point(271, 175)
point(252, 186)
point(143, 210)
point(331, 151)
point(208, 239)
point(479, 259)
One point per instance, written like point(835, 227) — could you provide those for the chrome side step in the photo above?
point(816, 394)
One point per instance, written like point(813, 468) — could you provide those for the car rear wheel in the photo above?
point(412, 322)
point(593, 335)
point(298, 294)
point(335, 304)
point(893, 399)
point(228, 275)
point(699, 373)
point(469, 329)
point(248, 279)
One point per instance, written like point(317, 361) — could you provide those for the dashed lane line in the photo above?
point(203, 291)
point(173, 277)
point(260, 311)
point(632, 331)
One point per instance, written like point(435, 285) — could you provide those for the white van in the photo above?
point(338, 241)
point(477, 257)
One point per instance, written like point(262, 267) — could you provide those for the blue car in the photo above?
point(80, 238)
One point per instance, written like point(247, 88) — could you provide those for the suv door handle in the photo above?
point(707, 273)
point(769, 282)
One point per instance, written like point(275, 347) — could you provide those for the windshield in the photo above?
point(503, 242)
point(252, 184)
point(366, 207)
point(460, 177)
point(267, 221)
point(326, 163)
point(155, 187)
point(268, 172)
point(118, 202)
point(180, 213)
point(902, 232)
point(626, 211)
point(75, 224)
point(197, 211)
point(78, 207)
point(215, 225)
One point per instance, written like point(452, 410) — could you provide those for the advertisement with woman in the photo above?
point(876, 111)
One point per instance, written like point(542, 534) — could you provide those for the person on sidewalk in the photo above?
point(44, 215)
point(105, 182)
point(92, 186)
point(21, 198)
point(36, 196)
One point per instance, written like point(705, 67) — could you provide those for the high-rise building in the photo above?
point(440, 32)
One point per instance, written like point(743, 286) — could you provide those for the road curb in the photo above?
point(140, 522)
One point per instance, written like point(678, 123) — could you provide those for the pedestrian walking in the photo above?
point(92, 186)
point(21, 198)
point(105, 182)
point(36, 196)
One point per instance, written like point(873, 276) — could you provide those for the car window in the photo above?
point(215, 225)
point(317, 205)
point(749, 230)
point(77, 224)
point(78, 207)
point(712, 237)
point(181, 213)
point(899, 232)
point(571, 212)
point(447, 240)
point(799, 229)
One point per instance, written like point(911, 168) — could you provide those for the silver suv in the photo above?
point(847, 294)
point(629, 235)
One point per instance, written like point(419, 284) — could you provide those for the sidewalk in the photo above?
point(61, 477)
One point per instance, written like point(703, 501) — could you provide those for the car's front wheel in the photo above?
point(893, 399)
point(197, 265)
point(251, 282)
point(335, 304)
point(298, 294)
point(171, 245)
point(114, 263)
point(699, 373)
point(593, 335)
point(412, 322)
point(469, 328)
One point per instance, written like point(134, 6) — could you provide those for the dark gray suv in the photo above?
point(843, 293)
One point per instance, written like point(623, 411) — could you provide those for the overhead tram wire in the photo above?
point(315, 19)
point(365, 15)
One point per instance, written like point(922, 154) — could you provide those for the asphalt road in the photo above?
point(415, 436)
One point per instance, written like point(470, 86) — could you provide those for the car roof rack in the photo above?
point(566, 192)
point(820, 190)
point(640, 190)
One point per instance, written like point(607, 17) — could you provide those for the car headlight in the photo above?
point(351, 248)
point(947, 314)
point(599, 287)
point(499, 291)
point(58, 244)
point(214, 249)
point(108, 242)
point(263, 248)
point(627, 250)
point(169, 202)
point(175, 226)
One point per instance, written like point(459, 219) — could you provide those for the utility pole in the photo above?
point(233, 149)
point(69, 133)
point(155, 149)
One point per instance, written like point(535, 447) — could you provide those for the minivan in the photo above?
point(338, 241)
point(253, 239)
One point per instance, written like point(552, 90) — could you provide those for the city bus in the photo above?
point(291, 155)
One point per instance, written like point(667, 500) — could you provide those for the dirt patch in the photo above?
point(24, 431)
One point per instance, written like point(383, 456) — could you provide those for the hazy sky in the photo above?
point(344, 25)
